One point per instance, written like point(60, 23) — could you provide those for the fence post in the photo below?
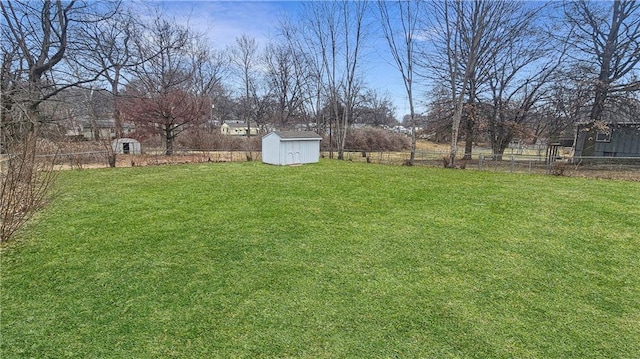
point(513, 163)
point(480, 159)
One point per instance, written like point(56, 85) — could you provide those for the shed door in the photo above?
point(125, 148)
point(292, 152)
point(293, 157)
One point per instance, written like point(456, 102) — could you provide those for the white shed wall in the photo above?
point(271, 149)
point(295, 152)
point(128, 145)
point(278, 151)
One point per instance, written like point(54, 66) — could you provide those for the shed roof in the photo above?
point(125, 140)
point(297, 135)
point(612, 123)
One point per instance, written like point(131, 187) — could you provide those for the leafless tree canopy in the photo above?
point(400, 25)
point(489, 55)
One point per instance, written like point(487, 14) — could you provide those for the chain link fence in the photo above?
point(627, 168)
point(100, 159)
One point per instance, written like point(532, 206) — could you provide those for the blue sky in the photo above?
point(223, 21)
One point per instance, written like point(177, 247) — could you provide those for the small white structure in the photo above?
point(238, 129)
point(126, 146)
point(290, 147)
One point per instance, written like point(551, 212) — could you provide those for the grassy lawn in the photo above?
point(332, 260)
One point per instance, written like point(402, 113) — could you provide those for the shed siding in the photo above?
point(287, 151)
point(625, 142)
point(295, 152)
point(271, 149)
point(132, 146)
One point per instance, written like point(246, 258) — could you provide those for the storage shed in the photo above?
point(618, 140)
point(126, 146)
point(290, 147)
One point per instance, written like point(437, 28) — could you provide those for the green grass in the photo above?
point(331, 260)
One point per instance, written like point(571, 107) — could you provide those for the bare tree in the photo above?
point(168, 113)
point(494, 49)
point(34, 53)
point(607, 37)
point(353, 36)
point(209, 71)
point(321, 24)
point(522, 65)
point(375, 109)
point(162, 98)
point(565, 102)
point(115, 55)
point(335, 38)
point(286, 72)
point(36, 38)
point(467, 36)
point(245, 58)
point(305, 77)
point(399, 25)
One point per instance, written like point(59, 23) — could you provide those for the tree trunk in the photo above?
point(468, 145)
point(589, 146)
point(168, 140)
point(330, 138)
point(455, 131)
point(412, 155)
point(112, 160)
point(601, 92)
point(469, 116)
point(342, 139)
point(500, 144)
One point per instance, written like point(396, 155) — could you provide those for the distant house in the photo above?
point(291, 147)
point(87, 129)
point(619, 140)
point(126, 146)
point(237, 129)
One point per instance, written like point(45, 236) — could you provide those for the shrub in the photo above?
point(26, 177)
point(376, 139)
point(558, 168)
point(198, 139)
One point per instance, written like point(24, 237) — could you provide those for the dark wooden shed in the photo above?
point(619, 140)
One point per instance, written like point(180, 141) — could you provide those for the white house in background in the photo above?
point(237, 129)
point(290, 147)
point(87, 129)
point(126, 146)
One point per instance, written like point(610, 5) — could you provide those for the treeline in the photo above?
point(476, 71)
